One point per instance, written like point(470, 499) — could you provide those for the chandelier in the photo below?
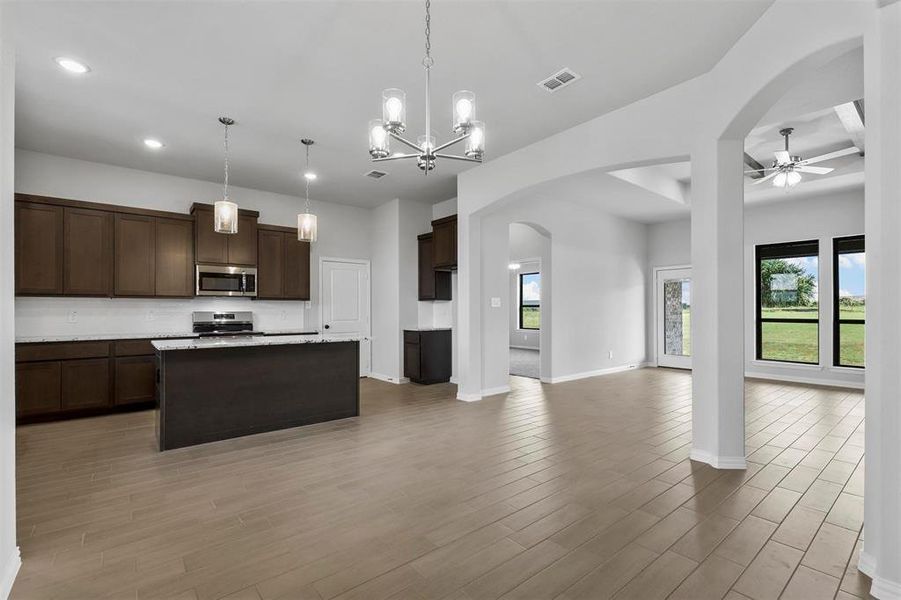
point(225, 212)
point(306, 221)
point(426, 149)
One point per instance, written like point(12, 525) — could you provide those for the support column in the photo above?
point(881, 556)
point(717, 300)
point(469, 323)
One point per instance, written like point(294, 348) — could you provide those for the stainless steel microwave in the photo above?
point(218, 280)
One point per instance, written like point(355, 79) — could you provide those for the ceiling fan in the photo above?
point(787, 169)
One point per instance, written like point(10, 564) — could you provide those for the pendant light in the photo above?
point(225, 213)
point(306, 221)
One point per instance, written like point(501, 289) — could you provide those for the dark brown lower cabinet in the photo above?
point(135, 379)
point(427, 355)
point(61, 380)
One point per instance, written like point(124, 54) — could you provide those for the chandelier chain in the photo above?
point(307, 182)
point(428, 61)
point(225, 191)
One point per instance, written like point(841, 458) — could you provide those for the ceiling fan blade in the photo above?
point(815, 170)
point(770, 176)
point(831, 155)
point(760, 170)
point(783, 157)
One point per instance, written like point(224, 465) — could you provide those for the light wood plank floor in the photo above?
point(579, 490)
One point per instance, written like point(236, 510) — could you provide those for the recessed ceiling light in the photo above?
point(310, 176)
point(72, 65)
point(153, 144)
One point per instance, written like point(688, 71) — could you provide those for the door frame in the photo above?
point(658, 271)
point(354, 261)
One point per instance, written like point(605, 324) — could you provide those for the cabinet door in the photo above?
point(37, 388)
point(412, 364)
point(85, 383)
point(39, 249)
point(271, 270)
point(211, 248)
point(135, 255)
point(174, 257)
point(135, 379)
point(426, 271)
point(444, 243)
point(87, 252)
point(297, 268)
point(242, 246)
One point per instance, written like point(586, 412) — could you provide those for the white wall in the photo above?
point(822, 218)
point(343, 233)
point(593, 289)
point(526, 246)
point(9, 552)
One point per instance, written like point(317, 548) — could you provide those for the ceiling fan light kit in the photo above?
point(426, 149)
point(787, 168)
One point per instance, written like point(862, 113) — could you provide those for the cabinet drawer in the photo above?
point(134, 348)
point(61, 351)
point(411, 337)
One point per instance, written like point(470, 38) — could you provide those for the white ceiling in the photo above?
point(286, 70)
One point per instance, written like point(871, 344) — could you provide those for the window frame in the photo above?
point(521, 305)
point(783, 250)
point(851, 244)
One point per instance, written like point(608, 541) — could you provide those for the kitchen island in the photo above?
point(211, 389)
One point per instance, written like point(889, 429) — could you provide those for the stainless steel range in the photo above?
point(211, 323)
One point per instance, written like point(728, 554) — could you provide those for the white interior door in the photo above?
point(344, 290)
point(674, 318)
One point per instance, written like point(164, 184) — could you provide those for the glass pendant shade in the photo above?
point(394, 110)
point(793, 178)
point(378, 139)
point(464, 109)
point(225, 217)
point(306, 227)
point(475, 143)
point(780, 180)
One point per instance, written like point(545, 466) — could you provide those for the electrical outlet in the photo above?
point(495, 302)
point(610, 354)
point(151, 315)
point(73, 316)
point(284, 315)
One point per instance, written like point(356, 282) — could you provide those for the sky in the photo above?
point(852, 274)
point(531, 288)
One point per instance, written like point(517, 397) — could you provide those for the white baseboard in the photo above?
point(388, 379)
point(586, 374)
point(501, 389)
point(525, 347)
point(718, 462)
point(854, 385)
point(885, 589)
point(468, 397)
point(8, 572)
point(866, 564)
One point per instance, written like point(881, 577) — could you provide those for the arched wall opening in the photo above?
point(529, 306)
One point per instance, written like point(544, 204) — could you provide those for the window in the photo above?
point(849, 301)
point(530, 301)
point(788, 317)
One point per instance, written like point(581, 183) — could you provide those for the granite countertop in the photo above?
point(239, 341)
point(428, 329)
point(87, 337)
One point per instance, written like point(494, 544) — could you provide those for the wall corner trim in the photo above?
point(866, 564)
point(8, 572)
point(718, 462)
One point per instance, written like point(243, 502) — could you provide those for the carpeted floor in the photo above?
point(524, 363)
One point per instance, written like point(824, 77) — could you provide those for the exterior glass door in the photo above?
point(674, 318)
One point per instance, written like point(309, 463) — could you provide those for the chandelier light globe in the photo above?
point(475, 143)
point(307, 227)
point(225, 217)
point(378, 139)
point(394, 110)
point(464, 110)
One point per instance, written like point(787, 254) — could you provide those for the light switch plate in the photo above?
point(495, 302)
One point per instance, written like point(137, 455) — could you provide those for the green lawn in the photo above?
point(531, 317)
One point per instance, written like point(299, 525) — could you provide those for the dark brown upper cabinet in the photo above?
point(39, 249)
point(135, 272)
point(222, 248)
point(174, 258)
point(433, 285)
point(284, 264)
point(87, 252)
point(444, 243)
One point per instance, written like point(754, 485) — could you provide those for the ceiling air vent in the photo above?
point(559, 80)
point(373, 174)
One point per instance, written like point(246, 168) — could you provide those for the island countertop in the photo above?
point(241, 341)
